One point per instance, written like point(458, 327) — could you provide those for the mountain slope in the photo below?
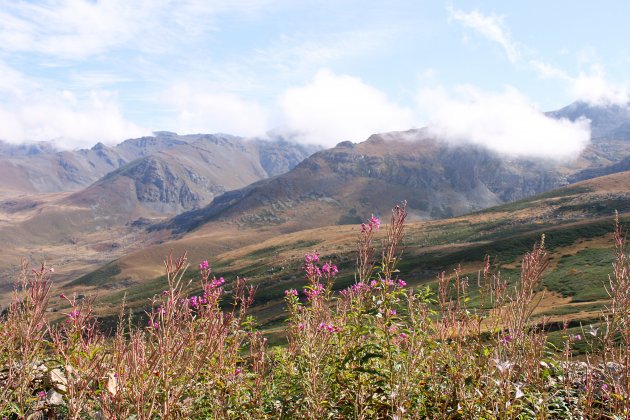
point(437, 179)
point(576, 220)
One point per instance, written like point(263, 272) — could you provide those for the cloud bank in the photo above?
point(505, 122)
point(334, 108)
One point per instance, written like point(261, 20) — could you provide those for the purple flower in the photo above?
point(505, 340)
point(291, 292)
point(577, 337)
point(375, 223)
point(311, 258)
point(74, 314)
point(62, 296)
point(401, 283)
point(330, 269)
point(41, 394)
point(204, 265)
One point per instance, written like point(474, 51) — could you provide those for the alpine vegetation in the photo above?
point(468, 348)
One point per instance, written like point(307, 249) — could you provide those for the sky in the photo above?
point(82, 71)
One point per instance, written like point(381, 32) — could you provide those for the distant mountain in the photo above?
point(348, 182)
point(40, 168)
point(589, 173)
point(607, 121)
point(188, 174)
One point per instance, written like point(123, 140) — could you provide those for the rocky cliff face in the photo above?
point(41, 168)
point(185, 175)
point(437, 179)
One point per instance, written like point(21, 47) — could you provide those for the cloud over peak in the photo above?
point(332, 108)
point(505, 122)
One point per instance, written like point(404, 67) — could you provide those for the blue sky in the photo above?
point(82, 71)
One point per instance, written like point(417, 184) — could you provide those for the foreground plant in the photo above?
point(377, 349)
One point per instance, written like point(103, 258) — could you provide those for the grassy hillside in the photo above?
point(576, 220)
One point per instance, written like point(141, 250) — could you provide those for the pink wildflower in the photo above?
point(204, 265)
point(401, 283)
point(330, 269)
point(375, 223)
point(577, 337)
point(41, 394)
point(74, 314)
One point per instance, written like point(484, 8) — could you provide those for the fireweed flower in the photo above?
point(74, 314)
point(204, 265)
point(375, 223)
point(314, 291)
point(291, 292)
point(330, 269)
point(505, 340)
point(401, 283)
point(41, 394)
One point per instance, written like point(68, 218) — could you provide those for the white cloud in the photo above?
point(333, 108)
point(84, 28)
point(505, 122)
point(202, 111)
point(593, 88)
point(491, 27)
point(30, 111)
point(68, 121)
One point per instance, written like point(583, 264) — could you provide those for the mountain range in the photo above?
point(83, 208)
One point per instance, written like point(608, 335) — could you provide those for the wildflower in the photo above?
point(41, 394)
point(330, 269)
point(301, 326)
point(204, 265)
point(403, 336)
point(311, 258)
point(392, 312)
point(291, 292)
point(401, 283)
point(505, 340)
point(62, 296)
point(577, 337)
point(193, 302)
point(74, 314)
point(316, 290)
point(375, 223)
